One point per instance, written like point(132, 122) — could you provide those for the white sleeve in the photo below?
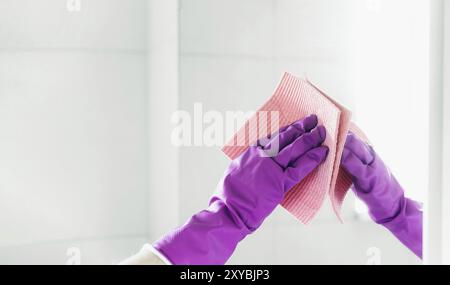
point(148, 255)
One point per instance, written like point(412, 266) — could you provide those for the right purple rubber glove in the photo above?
point(251, 188)
point(379, 190)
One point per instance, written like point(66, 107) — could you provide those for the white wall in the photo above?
point(233, 54)
point(446, 142)
point(162, 81)
point(73, 130)
point(391, 81)
point(434, 205)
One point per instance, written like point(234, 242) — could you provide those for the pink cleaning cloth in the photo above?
point(294, 99)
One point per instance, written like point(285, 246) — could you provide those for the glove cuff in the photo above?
point(208, 237)
point(407, 225)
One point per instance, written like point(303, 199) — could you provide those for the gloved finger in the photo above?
point(300, 146)
point(358, 148)
point(289, 133)
point(352, 164)
point(306, 163)
point(362, 174)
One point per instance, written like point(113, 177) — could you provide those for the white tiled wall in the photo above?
point(100, 24)
point(232, 54)
point(73, 130)
point(219, 29)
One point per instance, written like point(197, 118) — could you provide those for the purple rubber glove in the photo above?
point(250, 190)
point(383, 195)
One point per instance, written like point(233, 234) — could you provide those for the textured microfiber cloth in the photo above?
point(294, 99)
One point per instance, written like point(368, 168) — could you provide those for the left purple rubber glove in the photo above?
point(250, 190)
point(374, 184)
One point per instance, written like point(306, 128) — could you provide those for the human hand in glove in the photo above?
point(374, 184)
point(251, 188)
